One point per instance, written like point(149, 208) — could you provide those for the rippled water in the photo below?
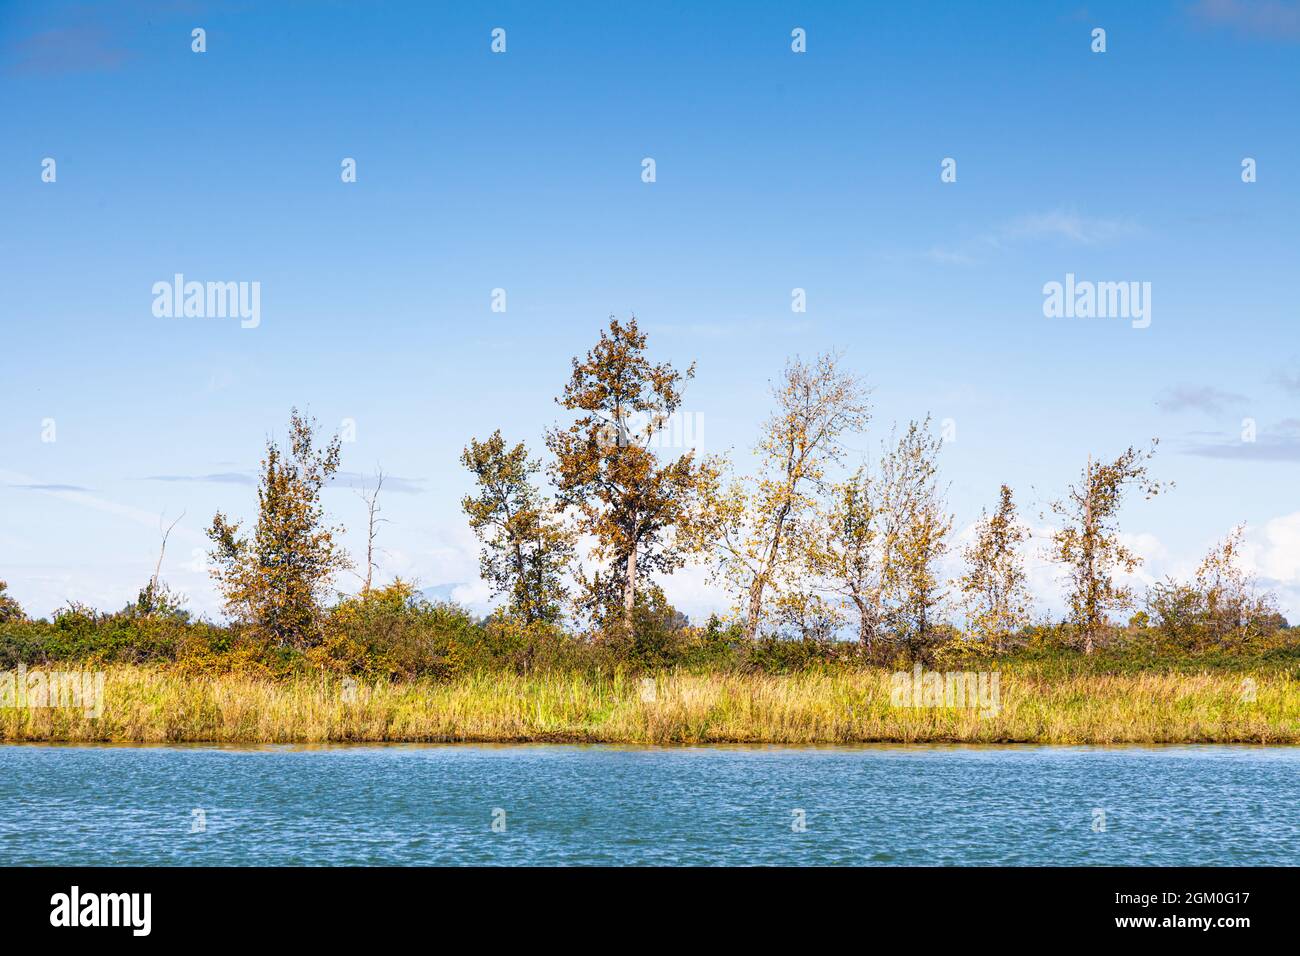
point(614, 805)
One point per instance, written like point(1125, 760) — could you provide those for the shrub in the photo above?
point(391, 632)
point(513, 645)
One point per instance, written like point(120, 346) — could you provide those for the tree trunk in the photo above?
point(629, 590)
point(1090, 591)
point(864, 630)
point(760, 580)
point(521, 572)
point(755, 606)
point(922, 619)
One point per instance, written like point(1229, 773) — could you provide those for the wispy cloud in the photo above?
point(394, 483)
point(48, 487)
point(1201, 398)
point(78, 49)
point(220, 477)
point(77, 496)
point(1059, 225)
point(727, 330)
point(1271, 19)
point(1289, 381)
point(954, 257)
point(1270, 447)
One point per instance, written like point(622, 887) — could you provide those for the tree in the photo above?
point(635, 506)
point(756, 522)
point(156, 598)
point(10, 610)
point(1089, 546)
point(995, 588)
point(844, 552)
point(373, 521)
point(801, 611)
point(916, 526)
point(1220, 607)
point(526, 552)
point(276, 579)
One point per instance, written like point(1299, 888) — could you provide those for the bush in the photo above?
point(81, 633)
point(1196, 618)
point(525, 648)
point(390, 632)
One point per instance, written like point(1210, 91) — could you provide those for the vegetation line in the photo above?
point(834, 568)
point(151, 705)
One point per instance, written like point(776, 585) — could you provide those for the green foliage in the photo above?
point(393, 633)
point(77, 632)
point(157, 599)
point(527, 551)
point(659, 633)
point(511, 645)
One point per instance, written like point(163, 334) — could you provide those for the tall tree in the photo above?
point(916, 526)
point(995, 587)
point(844, 551)
point(276, 579)
point(526, 551)
point(1089, 545)
point(756, 522)
point(633, 504)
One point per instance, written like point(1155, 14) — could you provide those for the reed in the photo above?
point(156, 705)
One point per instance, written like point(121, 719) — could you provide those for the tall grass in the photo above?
point(841, 705)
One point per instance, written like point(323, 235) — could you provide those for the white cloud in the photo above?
point(1273, 551)
point(690, 591)
point(1060, 224)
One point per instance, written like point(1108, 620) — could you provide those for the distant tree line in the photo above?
point(810, 546)
point(804, 549)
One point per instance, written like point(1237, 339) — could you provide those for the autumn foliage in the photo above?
point(829, 554)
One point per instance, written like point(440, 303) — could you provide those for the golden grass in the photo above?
point(149, 705)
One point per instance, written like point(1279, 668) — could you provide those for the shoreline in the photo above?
point(150, 705)
point(872, 745)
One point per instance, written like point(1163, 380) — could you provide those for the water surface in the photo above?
point(887, 805)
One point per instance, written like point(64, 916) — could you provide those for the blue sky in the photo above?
point(522, 171)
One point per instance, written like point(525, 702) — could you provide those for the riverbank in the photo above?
point(1032, 705)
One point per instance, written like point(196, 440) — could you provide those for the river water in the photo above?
point(547, 804)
